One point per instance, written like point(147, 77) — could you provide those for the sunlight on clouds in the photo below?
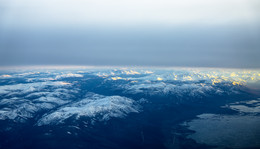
point(189, 78)
point(159, 79)
point(233, 74)
point(69, 75)
point(118, 78)
point(63, 83)
point(234, 77)
point(148, 72)
point(5, 76)
point(131, 72)
point(235, 83)
point(214, 81)
point(175, 77)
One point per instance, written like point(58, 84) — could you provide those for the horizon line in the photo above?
point(10, 67)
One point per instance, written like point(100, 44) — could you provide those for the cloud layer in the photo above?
point(62, 94)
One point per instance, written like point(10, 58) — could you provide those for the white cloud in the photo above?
point(68, 75)
point(130, 72)
point(20, 109)
point(190, 82)
point(29, 87)
point(5, 76)
point(179, 91)
point(181, 84)
point(104, 106)
point(51, 100)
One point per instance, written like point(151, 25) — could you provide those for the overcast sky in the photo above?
point(200, 33)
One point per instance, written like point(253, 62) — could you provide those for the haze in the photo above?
point(215, 33)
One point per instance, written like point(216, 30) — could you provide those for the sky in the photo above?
point(188, 33)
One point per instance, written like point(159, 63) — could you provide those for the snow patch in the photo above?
point(105, 107)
